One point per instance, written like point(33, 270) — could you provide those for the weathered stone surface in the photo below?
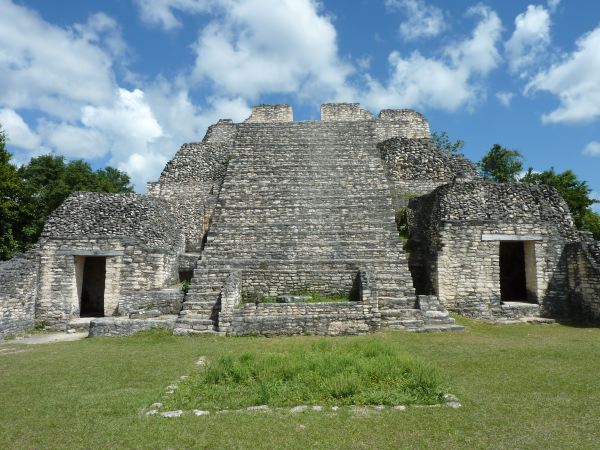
point(272, 207)
point(114, 326)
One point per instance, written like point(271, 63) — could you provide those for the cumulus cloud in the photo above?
point(101, 29)
point(447, 82)
point(553, 4)
point(530, 39)
point(66, 76)
point(504, 97)
point(18, 131)
point(255, 47)
point(575, 81)
point(162, 12)
point(592, 149)
point(48, 68)
point(421, 20)
point(74, 141)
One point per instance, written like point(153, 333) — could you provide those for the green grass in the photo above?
point(522, 386)
point(326, 372)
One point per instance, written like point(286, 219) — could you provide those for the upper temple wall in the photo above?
point(271, 113)
point(344, 112)
point(389, 123)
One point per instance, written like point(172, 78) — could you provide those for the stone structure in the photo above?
point(271, 207)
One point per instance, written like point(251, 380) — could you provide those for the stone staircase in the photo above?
point(303, 204)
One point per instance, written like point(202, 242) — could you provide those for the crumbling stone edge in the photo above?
point(451, 401)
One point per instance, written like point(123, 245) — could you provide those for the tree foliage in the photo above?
point(441, 139)
point(576, 193)
point(501, 164)
point(30, 193)
point(504, 165)
point(10, 190)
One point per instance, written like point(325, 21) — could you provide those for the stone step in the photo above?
point(186, 326)
point(305, 264)
point(440, 328)
point(399, 313)
point(201, 298)
point(403, 324)
point(196, 304)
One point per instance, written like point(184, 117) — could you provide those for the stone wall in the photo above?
point(401, 123)
point(271, 113)
point(191, 182)
point(344, 112)
point(117, 326)
point(584, 277)
point(18, 278)
point(416, 166)
point(297, 319)
point(276, 281)
point(457, 231)
point(335, 318)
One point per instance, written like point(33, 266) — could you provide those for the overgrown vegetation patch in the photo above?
point(303, 297)
point(326, 372)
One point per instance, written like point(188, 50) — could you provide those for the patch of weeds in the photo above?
point(320, 297)
point(185, 286)
point(325, 372)
point(402, 223)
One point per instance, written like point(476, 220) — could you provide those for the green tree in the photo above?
point(575, 192)
point(10, 190)
point(591, 222)
point(441, 139)
point(48, 180)
point(112, 180)
point(501, 164)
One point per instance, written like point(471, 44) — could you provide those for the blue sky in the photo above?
point(126, 82)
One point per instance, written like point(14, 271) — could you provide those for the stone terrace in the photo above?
point(303, 206)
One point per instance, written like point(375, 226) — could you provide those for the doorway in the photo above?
point(517, 271)
point(92, 288)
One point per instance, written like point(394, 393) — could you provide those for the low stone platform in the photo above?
point(123, 326)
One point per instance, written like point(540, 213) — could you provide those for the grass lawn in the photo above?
point(522, 386)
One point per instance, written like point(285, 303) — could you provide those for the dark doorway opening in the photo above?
point(92, 289)
point(513, 279)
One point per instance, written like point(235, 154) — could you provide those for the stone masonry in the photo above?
point(272, 207)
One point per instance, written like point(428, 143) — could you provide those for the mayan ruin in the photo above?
point(261, 215)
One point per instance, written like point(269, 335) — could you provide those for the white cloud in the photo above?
point(130, 127)
point(184, 122)
point(530, 39)
point(553, 4)
point(18, 132)
point(101, 29)
point(504, 97)
point(74, 141)
point(596, 206)
point(129, 117)
point(592, 149)
point(254, 47)
point(161, 12)
point(575, 81)
point(422, 20)
point(420, 82)
point(448, 82)
point(49, 68)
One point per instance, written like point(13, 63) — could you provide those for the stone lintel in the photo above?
point(78, 252)
point(511, 237)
